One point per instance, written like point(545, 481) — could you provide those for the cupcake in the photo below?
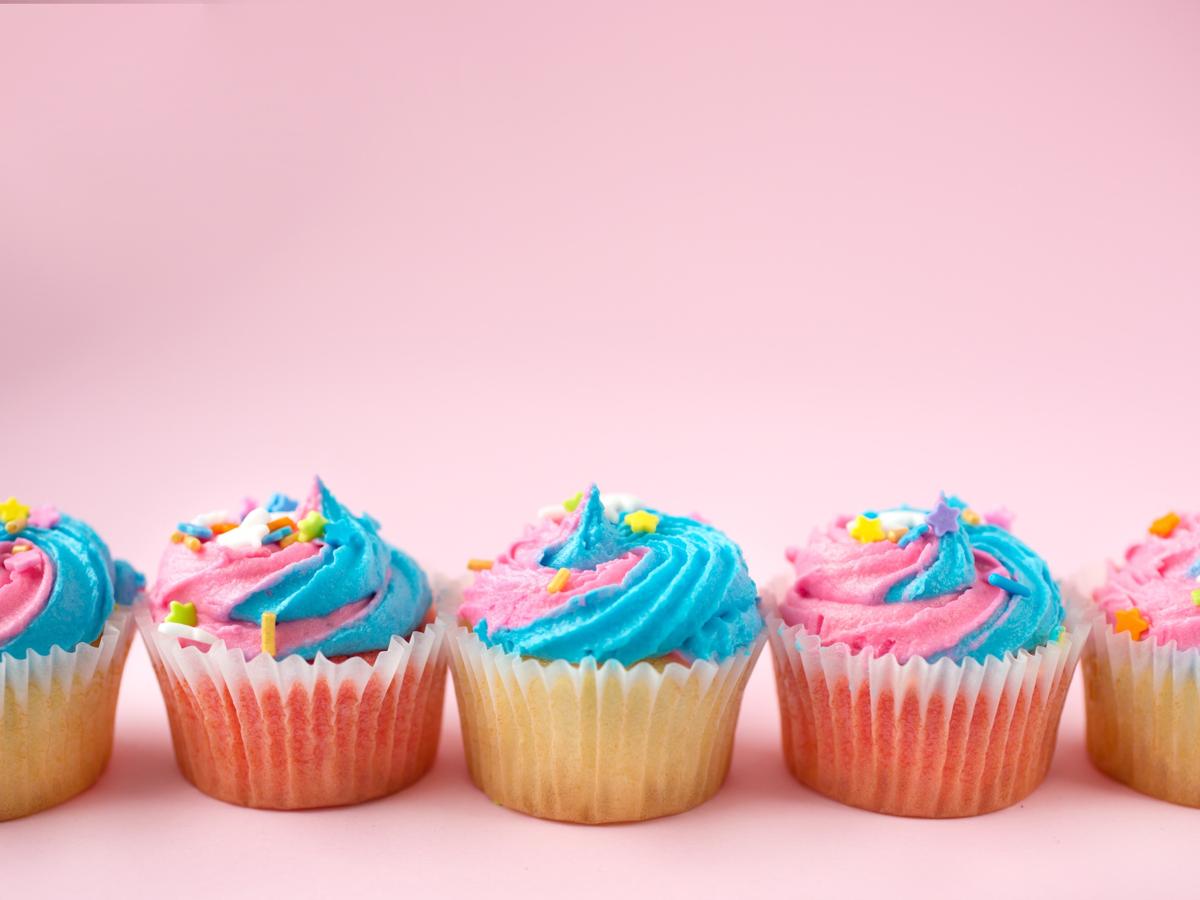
point(922, 662)
point(1141, 668)
point(297, 655)
point(600, 662)
point(63, 642)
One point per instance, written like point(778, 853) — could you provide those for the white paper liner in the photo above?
point(1143, 703)
point(939, 739)
point(294, 734)
point(56, 718)
point(587, 743)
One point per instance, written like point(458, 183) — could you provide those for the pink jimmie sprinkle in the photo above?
point(44, 517)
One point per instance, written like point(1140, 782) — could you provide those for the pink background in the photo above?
point(765, 260)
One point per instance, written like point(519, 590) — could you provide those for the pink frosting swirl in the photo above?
point(26, 579)
point(1157, 577)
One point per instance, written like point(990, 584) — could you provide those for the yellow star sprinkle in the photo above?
point(12, 510)
point(182, 613)
point(971, 517)
point(867, 529)
point(559, 581)
point(268, 633)
point(570, 504)
point(478, 565)
point(1164, 525)
point(1131, 620)
point(642, 522)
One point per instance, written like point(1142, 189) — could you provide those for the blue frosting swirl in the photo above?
point(690, 593)
point(86, 585)
point(354, 564)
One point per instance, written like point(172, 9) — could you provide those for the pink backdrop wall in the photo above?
point(768, 261)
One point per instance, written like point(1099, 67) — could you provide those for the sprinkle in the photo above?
point(478, 565)
point(943, 519)
point(15, 526)
point(193, 543)
point(280, 503)
point(642, 522)
point(177, 537)
point(559, 581)
point(971, 517)
point(182, 613)
point(21, 548)
point(1131, 620)
point(44, 517)
point(280, 522)
point(249, 534)
point(277, 535)
point(895, 534)
point(12, 510)
point(867, 529)
point(187, 632)
point(288, 540)
point(1008, 584)
point(312, 526)
point(222, 527)
point(913, 533)
point(1195, 594)
point(268, 633)
point(1164, 525)
point(200, 531)
point(20, 561)
point(571, 502)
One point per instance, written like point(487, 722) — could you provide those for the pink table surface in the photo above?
point(768, 261)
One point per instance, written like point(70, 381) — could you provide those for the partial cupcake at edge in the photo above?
point(600, 662)
point(1141, 668)
point(64, 636)
point(922, 659)
point(298, 654)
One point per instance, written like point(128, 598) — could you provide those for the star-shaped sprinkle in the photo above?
point(1196, 596)
point(1131, 620)
point(182, 613)
point(479, 565)
point(44, 517)
point(312, 526)
point(13, 510)
point(642, 522)
point(559, 581)
point(867, 529)
point(249, 534)
point(1164, 525)
point(943, 519)
point(572, 502)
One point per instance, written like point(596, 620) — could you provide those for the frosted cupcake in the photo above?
point(297, 655)
point(600, 663)
point(63, 642)
point(922, 662)
point(1142, 665)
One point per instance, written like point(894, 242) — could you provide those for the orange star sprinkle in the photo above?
point(1131, 620)
point(1164, 525)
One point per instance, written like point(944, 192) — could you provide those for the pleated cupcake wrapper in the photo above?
point(587, 743)
point(935, 740)
point(294, 734)
point(56, 719)
point(1143, 704)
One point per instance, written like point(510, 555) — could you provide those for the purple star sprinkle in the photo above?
point(943, 519)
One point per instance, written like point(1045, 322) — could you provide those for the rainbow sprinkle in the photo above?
point(203, 532)
point(559, 581)
point(1164, 525)
point(479, 565)
point(277, 535)
point(268, 633)
point(1008, 584)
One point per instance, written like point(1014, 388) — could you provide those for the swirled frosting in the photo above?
point(1159, 578)
point(335, 588)
point(936, 584)
point(58, 583)
point(649, 586)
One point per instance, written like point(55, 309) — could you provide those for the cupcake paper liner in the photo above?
point(596, 743)
point(295, 734)
point(56, 719)
point(1143, 705)
point(934, 740)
